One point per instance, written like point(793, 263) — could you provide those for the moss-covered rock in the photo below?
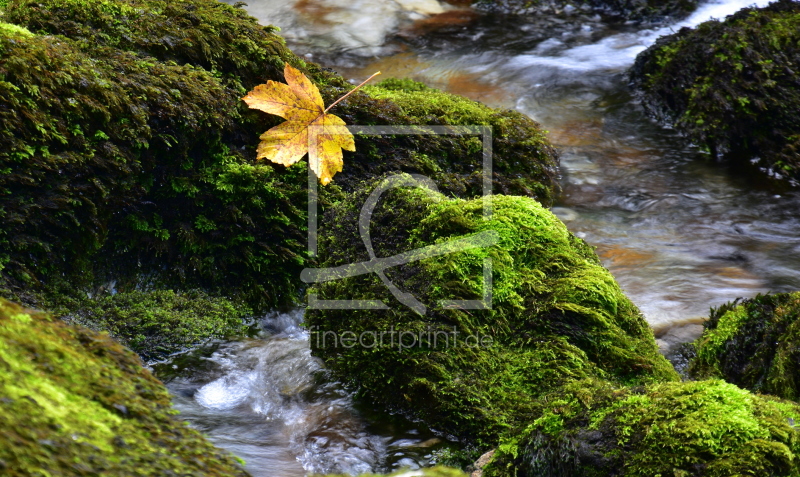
point(732, 86)
point(628, 10)
point(427, 472)
point(754, 344)
point(157, 323)
point(75, 402)
point(523, 162)
point(126, 152)
point(209, 34)
point(119, 166)
point(700, 428)
point(557, 314)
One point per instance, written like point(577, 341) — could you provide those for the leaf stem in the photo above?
point(351, 91)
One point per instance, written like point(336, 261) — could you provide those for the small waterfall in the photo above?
point(270, 402)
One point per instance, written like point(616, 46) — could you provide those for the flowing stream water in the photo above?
point(679, 232)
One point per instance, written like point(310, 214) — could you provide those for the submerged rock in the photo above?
point(556, 314)
point(701, 428)
point(732, 86)
point(753, 343)
point(75, 402)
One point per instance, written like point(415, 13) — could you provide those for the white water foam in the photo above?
point(620, 50)
point(276, 380)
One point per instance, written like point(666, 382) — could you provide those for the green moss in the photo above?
point(702, 428)
point(157, 323)
point(206, 33)
point(428, 472)
point(754, 344)
point(127, 154)
point(731, 86)
point(127, 168)
point(557, 315)
point(523, 163)
point(74, 402)
point(7, 29)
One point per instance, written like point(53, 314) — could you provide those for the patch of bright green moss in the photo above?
point(731, 86)
point(754, 344)
point(7, 29)
point(701, 428)
point(74, 402)
point(557, 315)
point(428, 472)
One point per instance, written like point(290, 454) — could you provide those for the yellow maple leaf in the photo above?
point(299, 102)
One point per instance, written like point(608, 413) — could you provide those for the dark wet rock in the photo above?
point(681, 357)
point(732, 87)
point(635, 10)
point(673, 337)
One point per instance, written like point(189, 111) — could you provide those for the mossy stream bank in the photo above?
point(132, 204)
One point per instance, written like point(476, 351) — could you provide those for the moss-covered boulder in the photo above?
point(160, 322)
point(732, 86)
point(700, 428)
point(627, 10)
point(75, 402)
point(117, 166)
point(126, 153)
point(754, 344)
point(556, 314)
point(208, 34)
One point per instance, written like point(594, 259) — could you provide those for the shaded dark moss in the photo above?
point(557, 314)
point(158, 323)
point(75, 402)
point(118, 166)
point(754, 344)
point(732, 86)
point(690, 429)
point(206, 33)
point(523, 162)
